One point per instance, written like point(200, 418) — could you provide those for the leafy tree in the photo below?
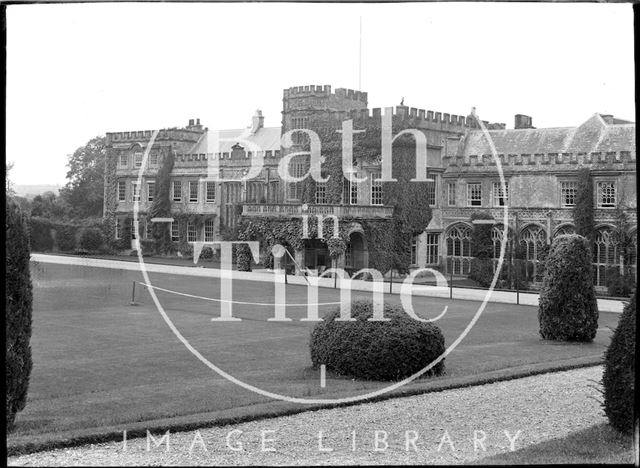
point(583, 209)
point(84, 191)
point(50, 206)
point(18, 305)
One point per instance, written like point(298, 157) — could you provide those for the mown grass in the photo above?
point(102, 365)
point(599, 444)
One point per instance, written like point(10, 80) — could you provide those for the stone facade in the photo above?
point(465, 161)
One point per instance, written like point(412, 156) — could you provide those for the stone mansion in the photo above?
point(539, 167)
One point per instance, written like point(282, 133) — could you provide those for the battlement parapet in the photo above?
point(163, 135)
point(418, 117)
point(319, 91)
point(543, 160)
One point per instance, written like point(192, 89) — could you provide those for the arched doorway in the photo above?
point(356, 254)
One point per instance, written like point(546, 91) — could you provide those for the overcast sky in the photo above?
point(81, 70)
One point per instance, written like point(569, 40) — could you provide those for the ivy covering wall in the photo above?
point(161, 206)
point(388, 240)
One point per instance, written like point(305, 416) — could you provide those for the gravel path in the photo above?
point(442, 424)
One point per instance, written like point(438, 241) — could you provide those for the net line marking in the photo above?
point(237, 302)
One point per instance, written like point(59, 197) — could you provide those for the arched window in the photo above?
point(458, 239)
point(497, 233)
point(605, 255)
point(532, 239)
point(565, 229)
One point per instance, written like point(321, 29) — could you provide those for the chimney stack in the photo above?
point(190, 122)
point(523, 121)
point(257, 121)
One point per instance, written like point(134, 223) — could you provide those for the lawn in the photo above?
point(103, 365)
point(600, 444)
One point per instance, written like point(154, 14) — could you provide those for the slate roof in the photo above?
point(594, 135)
point(220, 141)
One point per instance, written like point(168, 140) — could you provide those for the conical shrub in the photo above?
point(568, 309)
point(18, 301)
point(618, 378)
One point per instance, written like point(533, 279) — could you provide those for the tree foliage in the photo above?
point(583, 209)
point(618, 378)
point(84, 191)
point(50, 206)
point(18, 304)
point(568, 308)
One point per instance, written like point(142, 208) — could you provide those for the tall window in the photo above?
point(175, 231)
point(297, 169)
point(605, 255)
point(606, 195)
point(299, 122)
point(321, 193)
point(432, 248)
point(192, 233)
point(349, 192)
point(177, 190)
point(376, 188)
point(414, 251)
point(135, 191)
point(500, 196)
point(122, 190)
point(124, 160)
point(138, 159)
point(431, 190)
point(474, 194)
point(118, 228)
point(533, 239)
point(151, 190)
point(211, 192)
point(497, 234)
point(568, 192)
point(458, 239)
point(209, 230)
point(153, 159)
point(451, 194)
point(193, 191)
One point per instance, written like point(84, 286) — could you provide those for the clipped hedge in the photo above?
point(568, 308)
point(618, 378)
point(18, 306)
point(40, 236)
point(91, 239)
point(619, 285)
point(66, 237)
point(368, 350)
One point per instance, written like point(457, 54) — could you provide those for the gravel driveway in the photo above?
point(426, 429)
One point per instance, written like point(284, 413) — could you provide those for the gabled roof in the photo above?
point(594, 135)
point(220, 141)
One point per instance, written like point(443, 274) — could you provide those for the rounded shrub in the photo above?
point(18, 303)
point(618, 378)
point(66, 237)
point(568, 309)
point(369, 350)
point(91, 239)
